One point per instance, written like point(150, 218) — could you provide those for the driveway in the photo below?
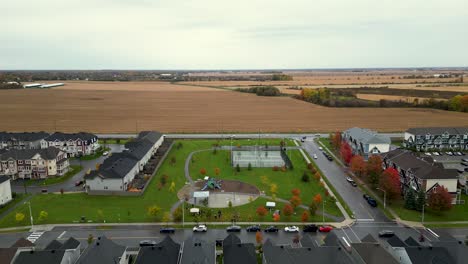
point(351, 195)
point(69, 185)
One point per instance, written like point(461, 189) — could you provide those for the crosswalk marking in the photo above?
point(34, 236)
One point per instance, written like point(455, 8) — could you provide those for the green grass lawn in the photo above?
point(69, 208)
point(457, 213)
point(122, 141)
point(74, 169)
point(286, 181)
point(17, 199)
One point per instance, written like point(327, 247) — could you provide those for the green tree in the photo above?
point(172, 187)
point(305, 177)
point(166, 217)
point(237, 167)
point(100, 214)
point(313, 208)
point(177, 214)
point(153, 211)
point(43, 216)
point(410, 200)
point(19, 217)
point(249, 167)
point(420, 199)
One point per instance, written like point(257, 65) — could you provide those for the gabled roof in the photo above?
point(304, 255)
point(411, 242)
point(54, 244)
point(236, 252)
point(23, 154)
point(7, 254)
point(101, 251)
point(456, 249)
point(306, 241)
point(373, 253)
point(423, 169)
point(196, 251)
point(22, 242)
point(59, 136)
point(4, 178)
point(429, 255)
point(167, 251)
point(395, 241)
point(438, 130)
point(26, 136)
point(369, 239)
point(367, 136)
point(116, 166)
point(40, 257)
point(71, 243)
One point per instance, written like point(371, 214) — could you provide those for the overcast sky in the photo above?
point(236, 34)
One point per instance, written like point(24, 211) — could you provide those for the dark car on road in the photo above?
point(271, 229)
point(386, 233)
point(147, 243)
point(372, 202)
point(254, 228)
point(233, 228)
point(167, 230)
point(78, 183)
point(310, 228)
point(366, 197)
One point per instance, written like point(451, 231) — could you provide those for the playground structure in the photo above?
point(212, 184)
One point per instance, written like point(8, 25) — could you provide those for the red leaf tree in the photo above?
point(317, 198)
point(336, 140)
point(305, 216)
point(358, 165)
point(439, 199)
point(296, 192)
point(203, 171)
point(295, 201)
point(346, 152)
point(288, 210)
point(261, 211)
point(390, 183)
point(374, 169)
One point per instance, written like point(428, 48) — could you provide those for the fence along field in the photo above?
point(129, 107)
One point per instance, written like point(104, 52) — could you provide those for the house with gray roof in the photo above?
point(33, 163)
point(5, 190)
point(304, 255)
point(366, 142)
point(54, 253)
point(437, 138)
point(25, 140)
point(103, 250)
point(166, 251)
point(234, 251)
point(420, 173)
point(197, 251)
point(74, 144)
point(116, 173)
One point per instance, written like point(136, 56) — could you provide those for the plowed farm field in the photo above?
point(135, 106)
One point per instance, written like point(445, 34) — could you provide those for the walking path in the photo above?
point(11, 209)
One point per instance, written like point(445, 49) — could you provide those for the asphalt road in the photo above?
point(69, 185)
point(362, 211)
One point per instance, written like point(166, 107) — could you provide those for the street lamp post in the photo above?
point(323, 211)
point(384, 198)
point(30, 214)
point(422, 217)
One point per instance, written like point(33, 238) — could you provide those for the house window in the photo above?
point(105, 188)
point(20, 162)
point(428, 136)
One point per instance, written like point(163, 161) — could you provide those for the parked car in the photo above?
point(320, 148)
point(105, 153)
point(330, 158)
point(147, 243)
point(200, 228)
point(78, 183)
point(353, 183)
point(233, 228)
point(271, 229)
point(315, 156)
point(465, 160)
point(435, 153)
point(365, 196)
point(291, 229)
point(460, 170)
point(349, 179)
point(325, 229)
point(386, 233)
point(464, 163)
point(427, 153)
point(372, 202)
point(449, 153)
point(254, 228)
point(310, 228)
point(44, 190)
point(167, 230)
point(459, 154)
point(325, 154)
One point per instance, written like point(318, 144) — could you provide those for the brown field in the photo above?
point(377, 97)
point(128, 107)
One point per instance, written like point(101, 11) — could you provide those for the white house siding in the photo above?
point(383, 148)
point(112, 184)
point(450, 184)
point(408, 136)
point(5, 192)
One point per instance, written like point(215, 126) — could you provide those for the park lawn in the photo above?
point(19, 197)
point(68, 208)
point(457, 213)
point(286, 181)
point(74, 169)
point(247, 213)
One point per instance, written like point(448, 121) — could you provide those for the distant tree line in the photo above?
point(347, 98)
point(261, 90)
point(282, 77)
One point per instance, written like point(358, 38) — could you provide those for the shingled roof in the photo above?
point(423, 169)
point(167, 251)
point(59, 136)
point(101, 251)
point(438, 130)
point(116, 166)
point(25, 136)
point(367, 136)
point(23, 154)
point(236, 252)
point(196, 251)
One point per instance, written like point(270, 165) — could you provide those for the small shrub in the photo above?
point(283, 169)
point(305, 177)
point(238, 168)
point(275, 168)
point(249, 167)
